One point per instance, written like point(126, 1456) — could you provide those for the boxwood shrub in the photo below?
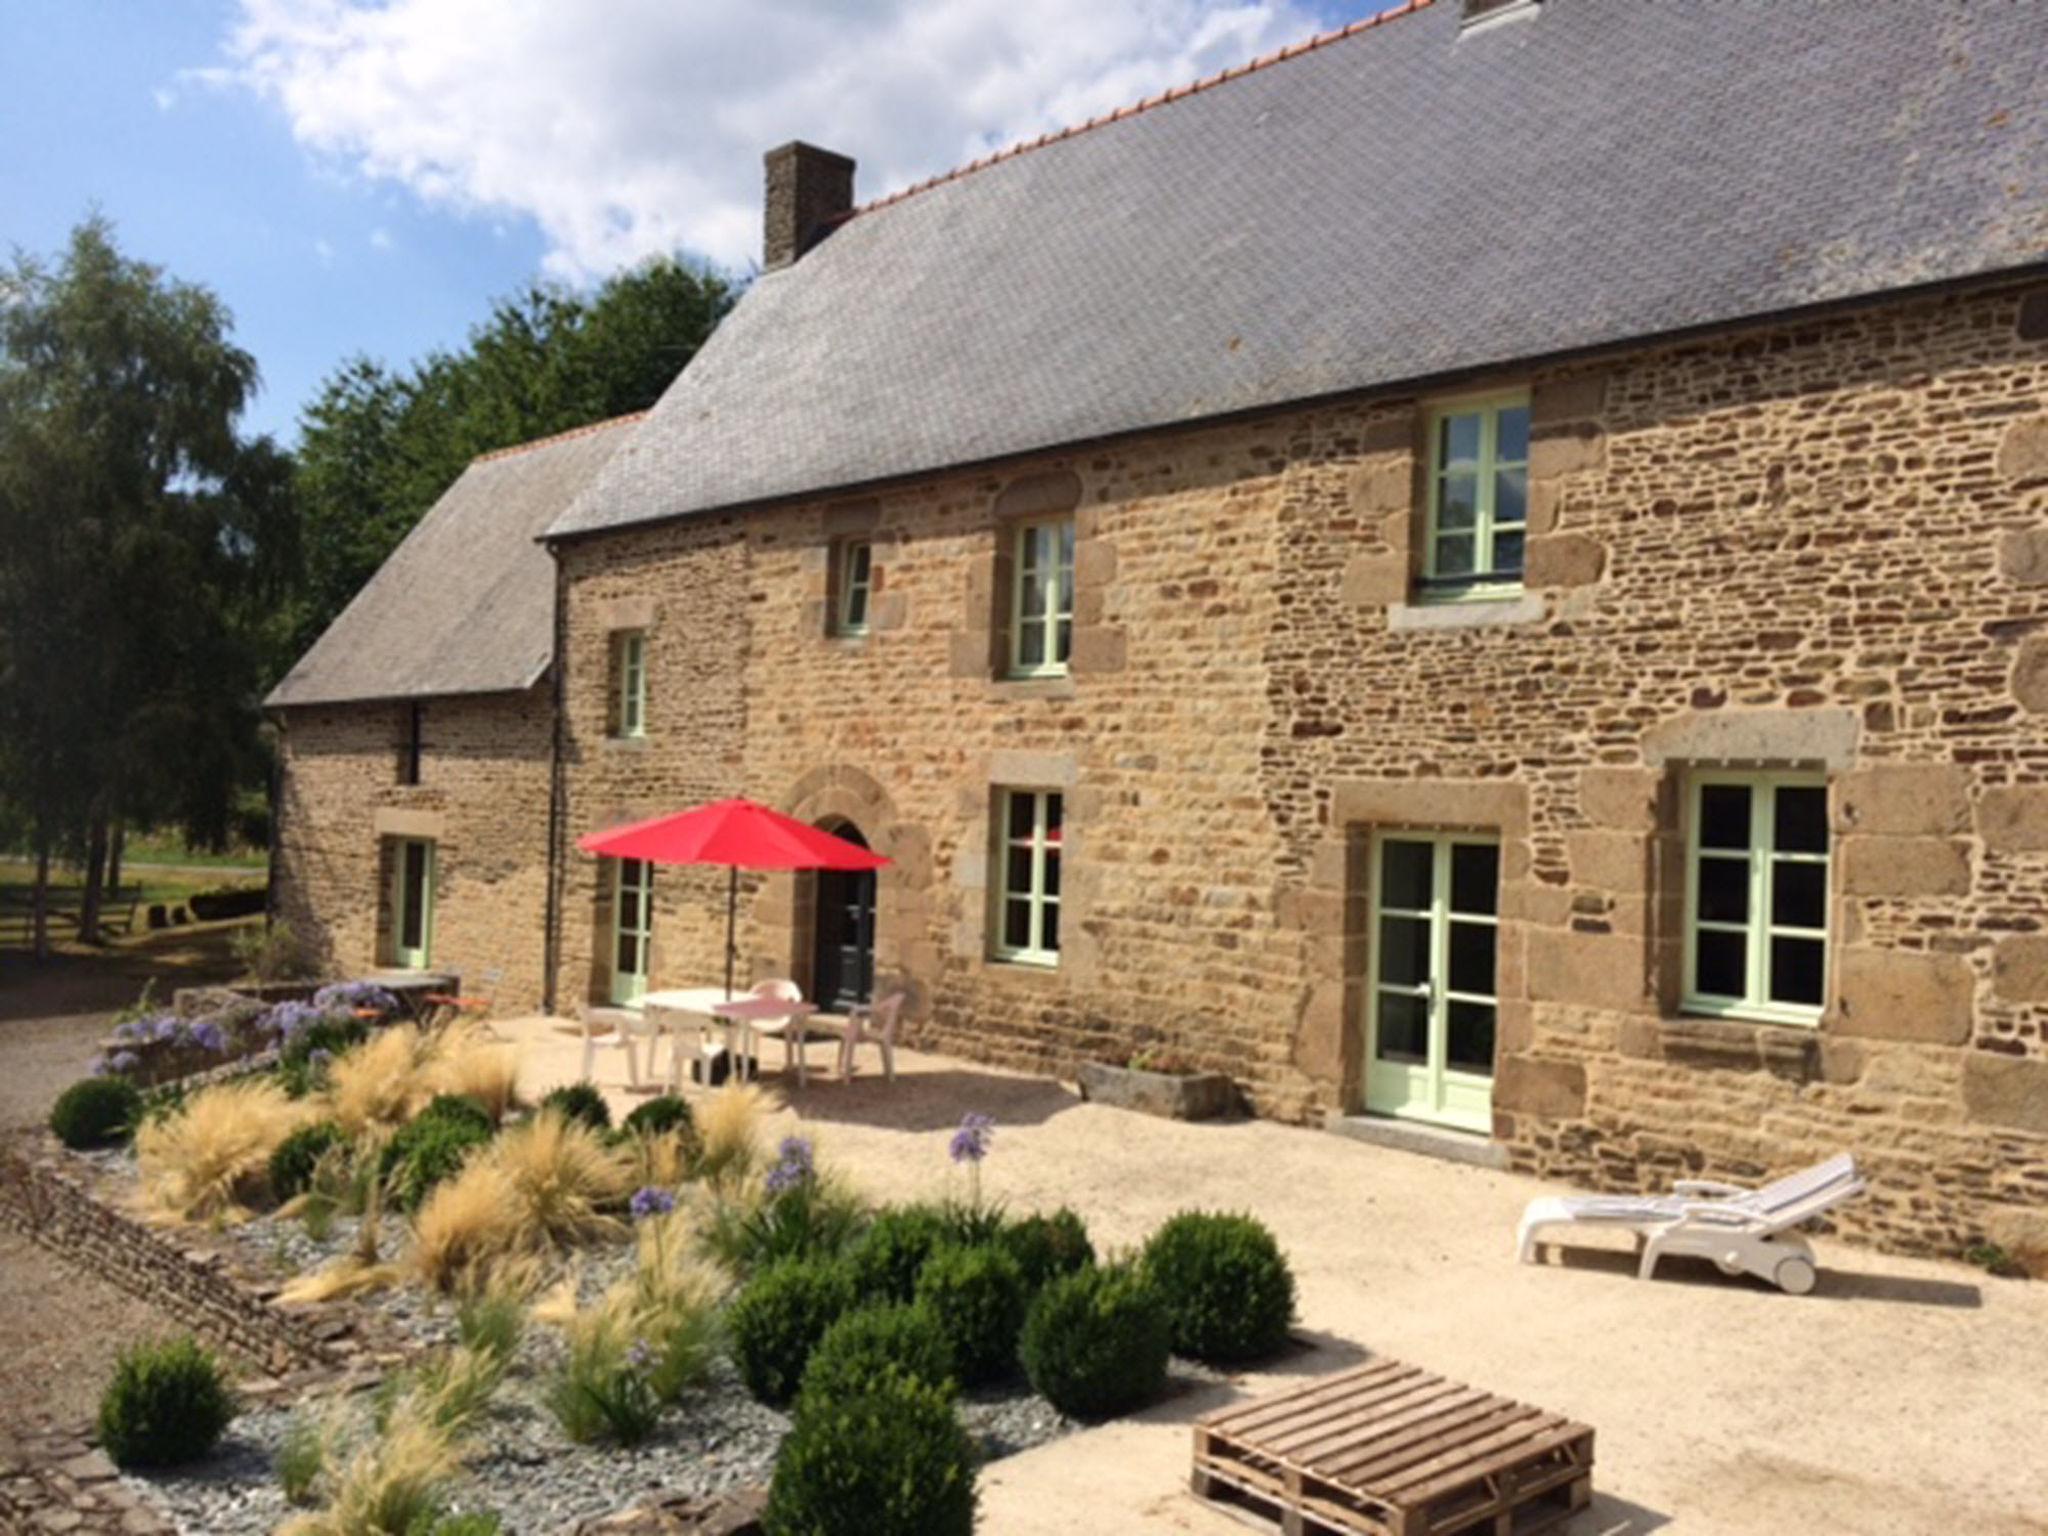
point(1226, 1285)
point(889, 1255)
point(1046, 1247)
point(659, 1115)
point(778, 1319)
point(580, 1101)
point(876, 1341)
point(96, 1112)
point(430, 1148)
point(1095, 1342)
point(892, 1461)
point(292, 1164)
point(976, 1295)
point(167, 1404)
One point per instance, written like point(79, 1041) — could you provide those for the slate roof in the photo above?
point(1395, 205)
point(466, 603)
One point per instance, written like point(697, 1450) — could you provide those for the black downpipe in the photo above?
point(551, 926)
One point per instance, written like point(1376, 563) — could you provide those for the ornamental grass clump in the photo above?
point(976, 1295)
point(381, 1083)
point(393, 1482)
point(1095, 1342)
point(778, 1319)
point(211, 1158)
point(729, 1133)
point(565, 1177)
point(96, 1112)
point(465, 1228)
point(1227, 1288)
point(893, 1461)
point(469, 1064)
point(167, 1404)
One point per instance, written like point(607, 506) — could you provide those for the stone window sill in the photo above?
point(1060, 686)
point(1503, 612)
point(624, 743)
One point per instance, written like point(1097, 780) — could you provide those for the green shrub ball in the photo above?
point(660, 1115)
point(874, 1342)
point(1095, 1342)
point(167, 1404)
point(887, 1259)
point(778, 1320)
point(429, 1149)
point(580, 1101)
point(96, 1112)
point(292, 1164)
point(892, 1461)
point(976, 1295)
point(1046, 1247)
point(1227, 1288)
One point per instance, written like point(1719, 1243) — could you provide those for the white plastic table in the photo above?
point(744, 1017)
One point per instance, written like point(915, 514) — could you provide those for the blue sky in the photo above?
point(366, 177)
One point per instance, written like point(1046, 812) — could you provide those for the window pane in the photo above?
point(1017, 924)
point(857, 608)
point(1721, 963)
point(1404, 951)
point(1511, 435)
point(1063, 641)
point(1055, 815)
point(1407, 874)
point(1030, 552)
point(1724, 816)
point(1052, 870)
point(1458, 440)
point(857, 559)
point(1017, 877)
point(629, 907)
point(1796, 966)
point(1049, 926)
point(1802, 819)
point(1404, 1028)
point(1475, 877)
point(1468, 1046)
point(1799, 895)
point(1454, 555)
point(1724, 891)
point(1471, 963)
point(1023, 814)
point(629, 954)
point(1507, 554)
point(1457, 501)
point(1031, 643)
point(1063, 590)
point(1511, 496)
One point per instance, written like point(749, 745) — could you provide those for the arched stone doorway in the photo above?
point(843, 930)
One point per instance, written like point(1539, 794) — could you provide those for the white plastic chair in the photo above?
point(1744, 1231)
point(871, 1024)
point(617, 1026)
point(782, 991)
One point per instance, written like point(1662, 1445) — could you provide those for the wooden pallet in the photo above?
point(1391, 1450)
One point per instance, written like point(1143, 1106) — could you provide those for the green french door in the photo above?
point(412, 902)
point(1433, 1006)
point(632, 928)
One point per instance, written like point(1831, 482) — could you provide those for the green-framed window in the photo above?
point(1478, 496)
point(1028, 892)
point(629, 675)
point(856, 581)
point(1756, 930)
point(632, 928)
point(1042, 598)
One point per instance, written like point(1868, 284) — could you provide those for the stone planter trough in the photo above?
point(1170, 1095)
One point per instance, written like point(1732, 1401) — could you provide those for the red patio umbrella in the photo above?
point(738, 834)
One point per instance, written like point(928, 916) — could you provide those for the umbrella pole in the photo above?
point(732, 903)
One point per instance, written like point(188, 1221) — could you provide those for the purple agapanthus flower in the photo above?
point(129, 1033)
point(641, 1356)
point(349, 995)
point(651, 1202)
point(162, 1028)
point(794, 1165)
point(99, 1066)
point(288, 1020)
point(970, 1142)
point(123, 1061)
point(317, 1059)
point(210, 1037)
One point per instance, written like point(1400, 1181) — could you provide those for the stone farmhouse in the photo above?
point(1486, 576)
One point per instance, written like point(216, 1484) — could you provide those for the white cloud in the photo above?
point(638, 126)
point(324, 250)
point(380, 239)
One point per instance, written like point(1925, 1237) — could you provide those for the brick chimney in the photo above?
point(808, 188)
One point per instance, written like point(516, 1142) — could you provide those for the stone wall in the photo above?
point(483, 799)
point(1821, 544)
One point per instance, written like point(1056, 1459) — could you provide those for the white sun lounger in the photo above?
point(1744, 1231)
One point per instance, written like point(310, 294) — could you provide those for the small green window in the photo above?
point(1478, 497)
point(1028, 892)
point(629, 669)
point(856, 578)
point(1757, 896)
point(1042, 598)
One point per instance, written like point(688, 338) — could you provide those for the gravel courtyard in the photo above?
point(1902, 1397)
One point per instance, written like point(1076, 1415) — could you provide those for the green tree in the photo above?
point(140, 539)
point(377, 447)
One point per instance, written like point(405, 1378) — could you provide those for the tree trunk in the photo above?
point(95, 881)
point(116, 843)
point(39, 908)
